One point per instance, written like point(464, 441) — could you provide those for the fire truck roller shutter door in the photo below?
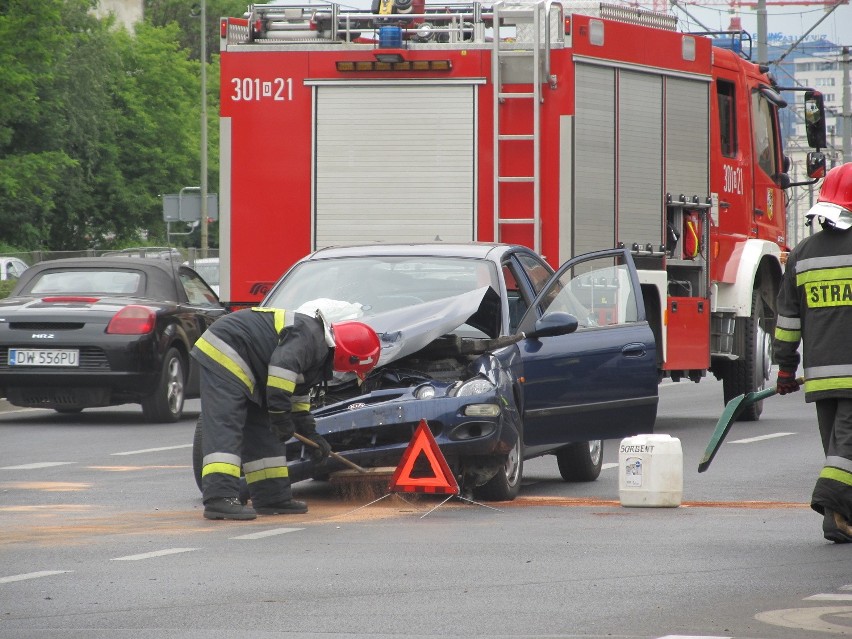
point(687, 137)
point(398, 159)
point(594, 162)
point(640, 158)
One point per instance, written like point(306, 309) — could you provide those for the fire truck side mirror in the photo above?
point(816, 165)
point(815, 119)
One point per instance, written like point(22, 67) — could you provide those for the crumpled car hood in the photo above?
point(407, 330)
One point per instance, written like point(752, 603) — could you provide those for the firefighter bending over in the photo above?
point(815, 307)
point(257, 368)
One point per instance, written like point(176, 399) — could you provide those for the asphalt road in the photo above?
point(102, 536)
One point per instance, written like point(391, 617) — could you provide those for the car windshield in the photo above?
point(209, 271)
point(380, 284)
point(86, 281)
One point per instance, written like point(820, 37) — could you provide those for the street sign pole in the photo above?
point(204, 230)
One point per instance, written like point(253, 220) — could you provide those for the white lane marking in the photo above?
point(36, 465)
point(608, 466)
point(268, 533)
point(692, 637)
point(32, 575)
point(151, 555)
point(760, 438)
point(153, 450)
point(809, 619)
point(829, 597)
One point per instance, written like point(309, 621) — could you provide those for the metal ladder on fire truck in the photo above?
point(520, 30)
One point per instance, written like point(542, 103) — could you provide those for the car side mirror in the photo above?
point(815, 119)
point(816, 165)
point(553, 324)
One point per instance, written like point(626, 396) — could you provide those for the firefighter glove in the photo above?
point(787, 383)
point(319, 455)
point(306, 426)
point(282, 425)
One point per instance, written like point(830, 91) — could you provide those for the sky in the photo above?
point(785, 24)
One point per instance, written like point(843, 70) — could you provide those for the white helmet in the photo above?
point(330, 311)
point(832, 214)
point(835, 199)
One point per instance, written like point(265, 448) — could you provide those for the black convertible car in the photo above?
point(85, 332)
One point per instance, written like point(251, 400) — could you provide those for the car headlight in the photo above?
point(475, 386)
point(425, 392)
point(481, 410)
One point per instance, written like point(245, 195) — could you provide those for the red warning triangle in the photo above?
point(442, 480)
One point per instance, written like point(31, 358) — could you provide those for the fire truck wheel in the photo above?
point(504, 486)
point(751, 372)
point(165, 404)
point(581, 461)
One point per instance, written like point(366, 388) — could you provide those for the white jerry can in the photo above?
point(650, 471)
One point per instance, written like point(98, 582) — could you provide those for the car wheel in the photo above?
point(198, 462)
point(749, 373)
point(504, 486)
point(165, 404)
point(580, 461)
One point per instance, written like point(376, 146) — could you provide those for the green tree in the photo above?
point(96, 123)
point(186, 13)
point(34, 165)
point(158, 97)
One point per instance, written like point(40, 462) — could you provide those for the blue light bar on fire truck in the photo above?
point(390, 56)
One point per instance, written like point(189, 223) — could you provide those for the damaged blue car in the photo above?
point(504, 358)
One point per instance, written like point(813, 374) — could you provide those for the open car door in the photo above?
point(599, 382)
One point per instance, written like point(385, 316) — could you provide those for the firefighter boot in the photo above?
point(288, 507)
point(228, 508)
point(835, 528)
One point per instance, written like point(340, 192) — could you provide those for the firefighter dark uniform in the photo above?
point(815, 308)
point(258, 366)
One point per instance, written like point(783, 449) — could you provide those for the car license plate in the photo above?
point(43, 357)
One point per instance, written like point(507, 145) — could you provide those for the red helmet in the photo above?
point(835, 198)
point(356, 348)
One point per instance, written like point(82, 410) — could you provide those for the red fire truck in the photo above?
point(562, 128)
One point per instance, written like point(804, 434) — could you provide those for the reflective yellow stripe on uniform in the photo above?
point(821, 269)
point(831, 377)
point(830, 383)
point(267, 468)
point(836, 474)
point(788, 329)
point(224, 463)
point(301, 403)
point(282, 378)
point(784, 335)
point(221, 353)
point(281, 319)
point(839, 462)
